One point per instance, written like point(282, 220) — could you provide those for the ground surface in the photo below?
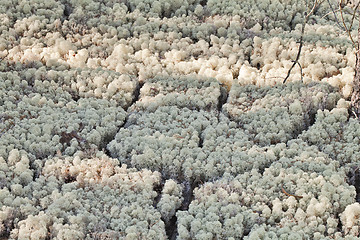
point(169, 120)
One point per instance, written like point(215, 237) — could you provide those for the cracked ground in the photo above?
point(136, 126)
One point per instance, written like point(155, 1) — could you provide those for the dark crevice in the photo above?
point(171, 228)
point(248, 55)
point(136, 93)
point(31, 83)
point(8, 224)
point(107, 152)
point(69, 179)
point(67, 11)
point(158, 189)
point(171, 225)
point(188, 195)
point(203, 3)
point(201, 140)
point(126, 122)
point(109, 138)
point(262, 169)
point(74, 95)
point(353, 178)
point(67, 137)
point(308, 122)
point(339, 226)
point(36, 169)
point(222, 98)
point(4, 182)
point(312, 119)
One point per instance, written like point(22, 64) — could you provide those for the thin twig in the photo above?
point(301, 42)
point(288, 194)
point(352, 20)
point(334, 12)
point(356, 116)
point(346, 11)
point(353, 15)
point(342, 27)
point(298, 54)
point(300, 71)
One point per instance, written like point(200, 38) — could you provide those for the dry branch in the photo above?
point(296, 61)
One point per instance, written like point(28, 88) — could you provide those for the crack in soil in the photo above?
point(222, 98)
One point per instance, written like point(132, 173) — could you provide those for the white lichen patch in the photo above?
point(78, 198)
point(281, 200)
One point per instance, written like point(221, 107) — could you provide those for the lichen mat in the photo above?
point(169, 120)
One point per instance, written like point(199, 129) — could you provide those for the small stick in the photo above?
point(288, 194)
point(342, 27)
point(297, 57)
point(353, 15)
point(301, 42)
point(352, 20)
